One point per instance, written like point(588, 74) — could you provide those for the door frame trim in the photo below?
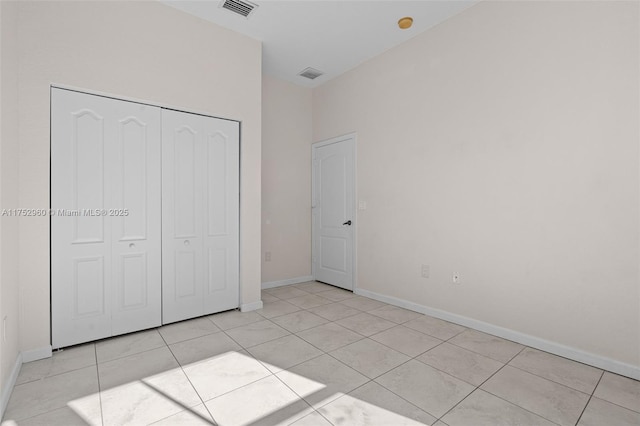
point(354, 258)
point(136, 101)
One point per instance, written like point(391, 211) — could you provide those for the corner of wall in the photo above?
point(10, 358)
point(286, 181)
point(7, 388)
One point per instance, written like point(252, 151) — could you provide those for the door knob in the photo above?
point(131, 245)
point(347, 223)
point(186, 242)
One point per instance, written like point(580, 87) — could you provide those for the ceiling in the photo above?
point(331, 36)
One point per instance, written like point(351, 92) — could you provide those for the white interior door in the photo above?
point(221, 236)
point(182, 179)
point(105, 230)
point(333, 211)
point(200, 207)
point(136, 249)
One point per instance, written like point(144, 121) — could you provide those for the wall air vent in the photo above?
point(310, 73)
point(240, 7)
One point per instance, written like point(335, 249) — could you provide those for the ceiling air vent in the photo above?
point(240, 7)
point(310, 73)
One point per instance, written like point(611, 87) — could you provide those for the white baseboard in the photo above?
point(36, 354)
point(598, 361)
point(5, 392)
point(297, 280)
point(247, 307)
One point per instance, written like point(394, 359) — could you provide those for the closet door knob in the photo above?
point(186, 242)
point(131, 245)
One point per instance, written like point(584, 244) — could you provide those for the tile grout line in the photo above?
point(590, 397)
point(131, 354)
point(191, 338)
point(331, 320)
point(292, 366)
point(56, 374)
point(270, 373)
point(251, 355)
point(557, 383)
point(380, 384)
point(296, 393)
point(321, 348)
point(238, 388)
point(439, 419)
point(95, 353)
point(249, 323)
point(59, 374)
point(325, 417)
point(510, 402)
point(487, 356)
point(486, 380)
point(246, 348)
point(190, 383)
point(445, 372)
point(323, 352)
point(340, 397)
point(421, 332)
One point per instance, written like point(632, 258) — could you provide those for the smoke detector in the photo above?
point(405, 23)
point(241, 7)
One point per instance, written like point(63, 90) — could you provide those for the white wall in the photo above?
point(8, 195)
point(503, 144)
point(286, 180)
point(143, 50)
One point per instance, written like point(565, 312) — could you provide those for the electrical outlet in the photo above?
point(425, 271)
point(267, 256)
point(455, 278)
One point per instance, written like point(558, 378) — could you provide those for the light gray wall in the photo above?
point(286, 180)
point(143, 50)
point(503, 144)
point(9, 242)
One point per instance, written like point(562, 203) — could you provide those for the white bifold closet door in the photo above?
point(200, 215)
point(105, 260)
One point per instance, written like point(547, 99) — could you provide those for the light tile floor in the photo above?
point(317, 355)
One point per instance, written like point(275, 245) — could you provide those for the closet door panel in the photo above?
point(200, 178)
point(222, 215)
point(184, 159)
point(182, 186)
point(136, 219)
point(132, 174)
point(88, 174)
point(80, 240)
point(105, 235)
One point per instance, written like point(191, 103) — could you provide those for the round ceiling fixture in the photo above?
point(405, 23)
